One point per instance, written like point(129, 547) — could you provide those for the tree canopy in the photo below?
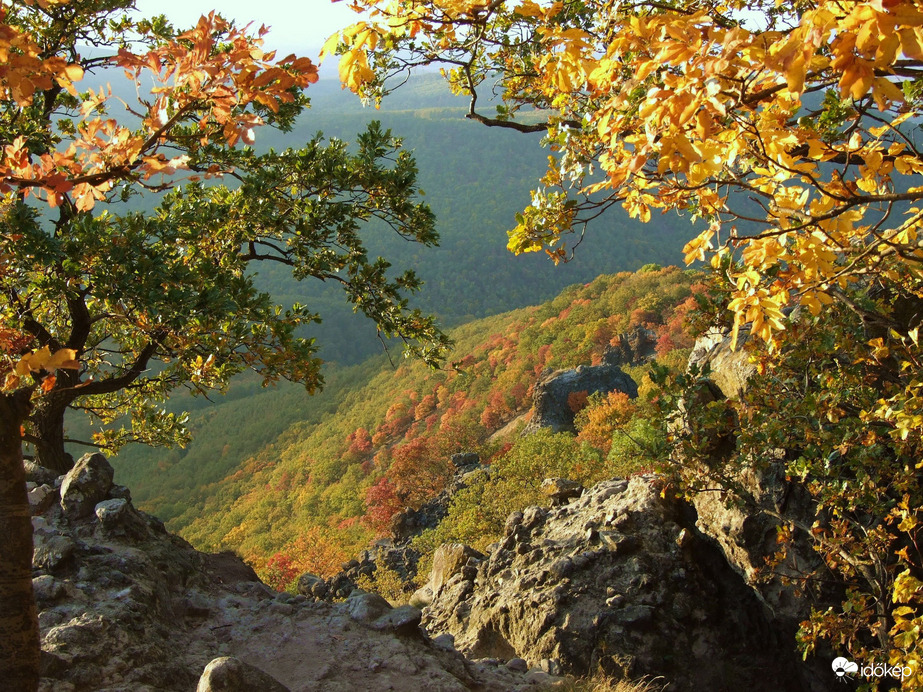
point(150, 301)
point(789, 131)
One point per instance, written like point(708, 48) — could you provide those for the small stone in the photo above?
point(281, 608)
point(422, 597)
point(550, 666)
point(401, 620)
point(52, 551)
point(227, 674)
point(517, 664)
point(47, 589)
point(445, 641)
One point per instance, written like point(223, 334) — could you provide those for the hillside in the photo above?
point(475, 179)
point(332, 480)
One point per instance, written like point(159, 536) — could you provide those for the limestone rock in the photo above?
point(633, 348)
point(365, 607)
point(730, 370)
point(611, 580)
point(86, 484)
point(228, 674)
point(39, 474)
point(552, 405)
point(142, 610)
point(41, 498)
point(448, 560)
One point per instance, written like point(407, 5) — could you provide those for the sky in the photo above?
point(299, 26)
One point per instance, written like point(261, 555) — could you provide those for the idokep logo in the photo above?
point(843, 668)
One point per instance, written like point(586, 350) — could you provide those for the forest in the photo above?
point(174, 229)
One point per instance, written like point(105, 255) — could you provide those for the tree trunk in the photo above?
point(20, 648)
point(48, 418)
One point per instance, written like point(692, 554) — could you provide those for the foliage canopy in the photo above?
point(150, 301)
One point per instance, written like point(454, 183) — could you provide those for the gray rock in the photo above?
point(448, 560)
point(311, 585)
point(365, 607)
point(404, 619)
point(86, 484)
point(555, 592)
point(41, 498)
point(119, 517)
point(561, 490)
point(47, 589)
point(227, 674)
point(729, 369)
point(552, 397)
point(422, 597)
point(39, 474)
point(51, 551)
point(120, 491)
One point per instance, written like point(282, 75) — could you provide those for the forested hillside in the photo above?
point(476, 179)
point(382, 441)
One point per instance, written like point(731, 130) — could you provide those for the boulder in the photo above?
point(633, 348)
point(555, 397)
point(118, 517)
point(85, 485)
point(228, 674)
point(620, 579)
point(729, 369)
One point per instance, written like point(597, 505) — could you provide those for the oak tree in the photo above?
point(111, 304)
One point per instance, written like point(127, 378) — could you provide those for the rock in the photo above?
point(465, 460)
point(422, 597)
point(404, 619)
point(119, 517)
point(624, 597)
point(448, 560)
point(47, 589)
point(86, 484)
point(120, 491)
point(561, 490)
point(311, 585)
point(729, 370)
point(41, 498)
point(553, 402)
point(365, 607)
point(147, 612)
point(518, 664)
point(634, 348)
point(39, 474)
point(51, 551)
point(227, 674)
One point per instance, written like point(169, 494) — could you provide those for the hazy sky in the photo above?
point(295, 25)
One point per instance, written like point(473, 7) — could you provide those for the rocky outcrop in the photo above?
point(619, 578)
point(632, 348)
point(555, 397)
point(124, 605)
point(728, 369)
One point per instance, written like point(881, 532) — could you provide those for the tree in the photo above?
point(115, 303)
point(787, 128)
